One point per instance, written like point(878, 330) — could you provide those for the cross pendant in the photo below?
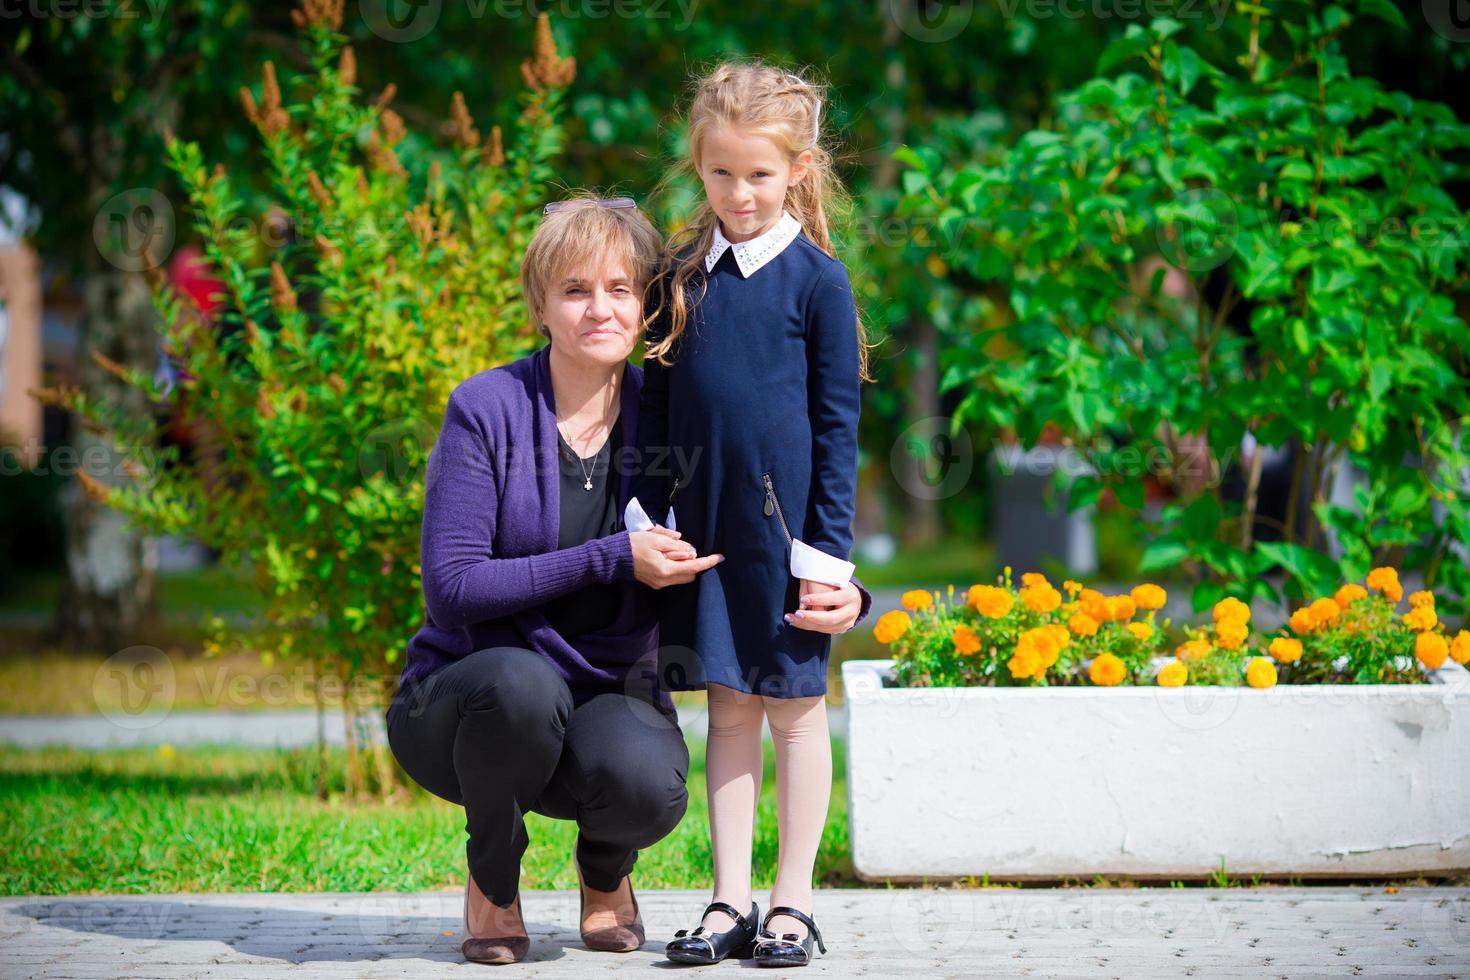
point(587, 485)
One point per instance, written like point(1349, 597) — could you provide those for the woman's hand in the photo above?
point(827, 608)
point(660, 558)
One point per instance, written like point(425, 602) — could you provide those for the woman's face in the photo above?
point(593, 315)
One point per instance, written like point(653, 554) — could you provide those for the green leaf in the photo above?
point(1162, 553)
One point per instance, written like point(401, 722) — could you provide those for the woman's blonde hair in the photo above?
point(759, 100)
point(587, 236)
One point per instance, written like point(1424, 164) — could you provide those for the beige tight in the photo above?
point(803, 791)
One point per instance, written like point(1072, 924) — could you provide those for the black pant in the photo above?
point(497, 732)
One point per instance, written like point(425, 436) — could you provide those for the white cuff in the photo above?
point(818, 566)
point(635, 518)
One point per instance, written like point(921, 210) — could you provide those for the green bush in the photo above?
point(1197, 251)
point(323, 377)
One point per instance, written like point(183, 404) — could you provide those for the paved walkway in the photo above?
point(1034, 932)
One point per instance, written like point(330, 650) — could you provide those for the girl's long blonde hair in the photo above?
point(759, 100)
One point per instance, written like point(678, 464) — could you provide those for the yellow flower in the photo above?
point(1232, 608)
point(1036, 650)
point(1072, 587)
point(1460, 647)
point(1094, 603)
point(965, 640)
point(1325, 612)
point(1302, 622)
point(1120, 608)
point(917, 599)
point(1431, 650)
point(1386, 581)
point(1034, 578)
point(1106, 670)
point(1148, 596)
point(951, 593)
point(1173, 674)
point(1143, 631)
point(1419, 599)
point(1286, 649)
point(1260, 672)
point(1060, 638)
point(1041, 598)
point(1420, 618)
point(1083, 625)
point(990, 601)
point(891, 625)
point(1231, 633)
point(1349, 594)
point(1192, 649)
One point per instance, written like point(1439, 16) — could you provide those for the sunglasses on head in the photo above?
point(578, 202)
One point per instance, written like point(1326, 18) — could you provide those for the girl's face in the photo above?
point(593, 316)
point(746, 177)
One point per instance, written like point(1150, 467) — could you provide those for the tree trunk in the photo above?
point(110, 591)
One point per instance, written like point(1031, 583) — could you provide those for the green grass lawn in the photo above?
point(209, 819)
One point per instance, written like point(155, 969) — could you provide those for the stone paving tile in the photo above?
point(1032, 932)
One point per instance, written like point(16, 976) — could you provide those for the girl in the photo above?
point(750, 411)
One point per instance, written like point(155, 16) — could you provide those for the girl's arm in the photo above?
point(463, 581)
point(833, 403)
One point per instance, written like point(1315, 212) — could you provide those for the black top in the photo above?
point(585, 515)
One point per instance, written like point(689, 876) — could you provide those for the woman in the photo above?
point(532, 686)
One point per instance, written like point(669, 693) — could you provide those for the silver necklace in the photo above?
point(586, 475)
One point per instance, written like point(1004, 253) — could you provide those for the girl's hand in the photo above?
point(660, 558)
point(826, 608)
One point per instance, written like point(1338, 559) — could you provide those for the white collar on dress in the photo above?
point(751, 255)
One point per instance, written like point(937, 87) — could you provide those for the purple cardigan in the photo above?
point(489, 556)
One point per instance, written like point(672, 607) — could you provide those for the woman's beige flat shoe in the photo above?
point(497, 950)
point(609, 939)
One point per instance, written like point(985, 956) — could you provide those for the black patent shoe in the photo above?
point(702, 946)
point(787, 949)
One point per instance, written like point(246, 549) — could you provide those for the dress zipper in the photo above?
point(774, 505)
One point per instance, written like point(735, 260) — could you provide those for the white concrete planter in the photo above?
point(1032, 783)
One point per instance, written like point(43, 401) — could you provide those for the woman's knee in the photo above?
point(517, 681)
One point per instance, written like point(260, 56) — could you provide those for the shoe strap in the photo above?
point(729, 910)
point(799, 916)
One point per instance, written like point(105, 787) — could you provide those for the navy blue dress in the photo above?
point(754, 424)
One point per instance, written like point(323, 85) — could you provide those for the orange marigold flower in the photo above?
point(1260, 672)
point(1386, 581)
point(1148, 596)
point(1036, 650)
point(1120, 608)
point(917, 599)
point(990, 601)
point(1041, 598)
point(1060, 636)
point(1349, 594)
point(965, 640)
point(1034, 578)
point(1071, 587)
point(1324, 612)
point(1232, 608)
point(1173, 674)
point(1431, 649)
point(1460, 647)
point(1094, 603)
point(1107, 670)
point(1286, 649)
point(890, 626)
point(1422, 599)
point(1025, 663)
point(1192, 649)
point(1302, 621)
point(1421, 618)
point(1083, 625)
point(1143, 631)
point(1231, 633)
